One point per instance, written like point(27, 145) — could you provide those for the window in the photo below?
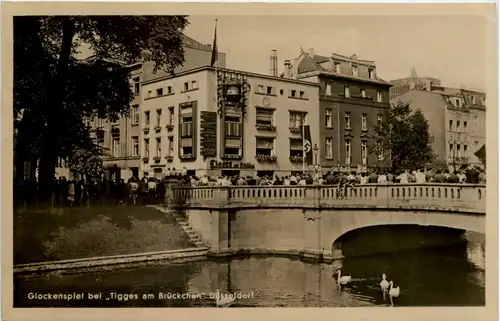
point(379, 97)
point(135, 146)
point(363, 93)
point(293, 93)
point(169, 89)
point(135, 114)
point(260, 89)
point(186, 86)
point(347, 147)
point(137, 85)
point(328, 117)
point(347, 118)
point(379, 119)
point(158, 117)
point(297, 118)
point(465, 126)
point(194, 84)
point(265, 117)
point(171, 115)
point(233, 126)
point(328, 148)
point(450, 125)
point(116, 146)
point(363, 122)
point(451, 150)
point(100, 140)
point(146, 118)
point(269, 90)
point(296, 147)
point(458, 150)
point(364, 152)
point(150, 93)
point(476, 144)
point(346, 91)
point(158, 147)
point(458, 125)
point(186, 126)
point(233, 146)
point(170, 146)
point(301, 94)
point(146, 148)
point(159, 92)
point(265, 146)
point(328, 90)
point(483, 101)
point(473, 100)
point(337, 68)
point(355, 71)
point(476, 123)
point(465, 150)
point(371, 73)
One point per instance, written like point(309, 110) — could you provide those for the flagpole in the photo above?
point(303, 148)
point(214, 49)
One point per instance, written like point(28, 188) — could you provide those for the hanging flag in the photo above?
point(481, 154)
point(214, 48)
point(306, 139)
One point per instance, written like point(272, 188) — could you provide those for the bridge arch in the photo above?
point(336, 224)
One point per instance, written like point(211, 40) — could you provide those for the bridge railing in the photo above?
point(457, 197)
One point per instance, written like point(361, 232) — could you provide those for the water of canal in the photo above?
point(452, 275)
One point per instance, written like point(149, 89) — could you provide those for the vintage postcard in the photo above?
point(258, 157)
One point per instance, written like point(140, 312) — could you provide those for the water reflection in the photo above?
point(446, 276)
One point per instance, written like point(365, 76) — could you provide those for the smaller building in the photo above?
point(352, 99)
point(457, 120)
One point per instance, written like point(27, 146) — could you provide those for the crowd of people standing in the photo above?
point(150, 190)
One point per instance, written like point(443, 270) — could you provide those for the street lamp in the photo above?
point(315, 150)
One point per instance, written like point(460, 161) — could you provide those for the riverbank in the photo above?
point(42, 235)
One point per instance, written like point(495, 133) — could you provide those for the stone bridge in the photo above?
point(311, 220)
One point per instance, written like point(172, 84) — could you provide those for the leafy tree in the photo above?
point(402, 136)
point(88, 161)
point(56, 92)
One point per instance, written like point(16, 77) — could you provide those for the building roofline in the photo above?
point(207, 67)
point(326, 73)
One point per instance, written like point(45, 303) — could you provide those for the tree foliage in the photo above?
point(88, 161)
point(402, 136)
point(56, 90)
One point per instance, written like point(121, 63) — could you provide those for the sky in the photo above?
point(451, 48)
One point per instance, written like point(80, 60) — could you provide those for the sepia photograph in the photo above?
point(250, 161)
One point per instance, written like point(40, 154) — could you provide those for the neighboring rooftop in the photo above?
point(350, 67)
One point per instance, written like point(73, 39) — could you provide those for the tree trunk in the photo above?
point(57, 95)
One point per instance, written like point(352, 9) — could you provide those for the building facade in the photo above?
point(457, 120)
point(125, 138)
point(120, 137)
point(352, 98)
point(236, 123)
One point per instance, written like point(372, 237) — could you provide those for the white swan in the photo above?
point(343, 279)
point(393, 292)
point(384, 284)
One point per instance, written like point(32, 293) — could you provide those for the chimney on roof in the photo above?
point(274, 63)
point(288, 69)
point(428, 85)
point(310, 52)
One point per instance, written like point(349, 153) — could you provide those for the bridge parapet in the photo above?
point(446, 197)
